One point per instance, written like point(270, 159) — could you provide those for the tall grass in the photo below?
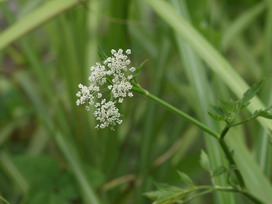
point(197, 52)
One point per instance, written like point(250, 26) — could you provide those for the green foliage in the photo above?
point(204, 161)
point(262, 113)
point(219, 171)
point(249, 94)
point(185, 178)
point(46, 48)
point(166, 194)
point(49, 183)
point(227, 111)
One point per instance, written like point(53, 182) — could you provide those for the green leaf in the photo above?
point(166, 194)
point(204, 161)
point(249, 94)
point(216, 117)
point(153, 195)
point(230, 108)
point(185, 178)
point(219, 111)
point(263, 113)
point(226, 111)
point(219, 171)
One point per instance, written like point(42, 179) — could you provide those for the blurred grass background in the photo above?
point(49, 149)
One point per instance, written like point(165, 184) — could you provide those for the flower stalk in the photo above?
point(137, 88)
point(220, 138)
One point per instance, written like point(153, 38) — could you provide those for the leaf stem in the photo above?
point(244, 121)
point(137, 88)
point(229, 189)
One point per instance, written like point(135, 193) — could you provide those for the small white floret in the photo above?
point(128, 51)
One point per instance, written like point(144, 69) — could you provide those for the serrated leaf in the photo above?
point(204, 161)
point(263, 113)
point(153, 195)
point(229, 107)
point(219, 111)
point(225, 112)
point(170, 197)
point(215, 116)
point(166, 194)
point(185, 178)
point(219, 171)
point(163, 186)
point(249, 94)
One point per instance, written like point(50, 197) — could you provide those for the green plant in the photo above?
point(197, 51)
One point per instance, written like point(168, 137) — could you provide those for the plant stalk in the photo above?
point(137, 88)
point(230, 189)
point(232, 162)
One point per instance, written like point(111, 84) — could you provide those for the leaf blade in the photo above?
point(34, 19)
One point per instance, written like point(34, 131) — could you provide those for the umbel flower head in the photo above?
point(109, 84)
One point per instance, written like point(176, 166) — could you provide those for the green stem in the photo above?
point(244, 121)
point(232, 162)
point(228, 189)
point(229, 155)
point(137, 88)
point(224, 132)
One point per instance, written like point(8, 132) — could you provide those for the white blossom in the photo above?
point(98, 74)
point(113, 75)
point(84, 95)
point(132, 69)
point(107, 114)
point(121, 89)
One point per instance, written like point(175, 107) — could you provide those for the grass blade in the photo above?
point(14, 173)
point(241, 23)
point(35, 19)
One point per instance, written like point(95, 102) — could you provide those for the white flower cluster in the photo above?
point(114, 75)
